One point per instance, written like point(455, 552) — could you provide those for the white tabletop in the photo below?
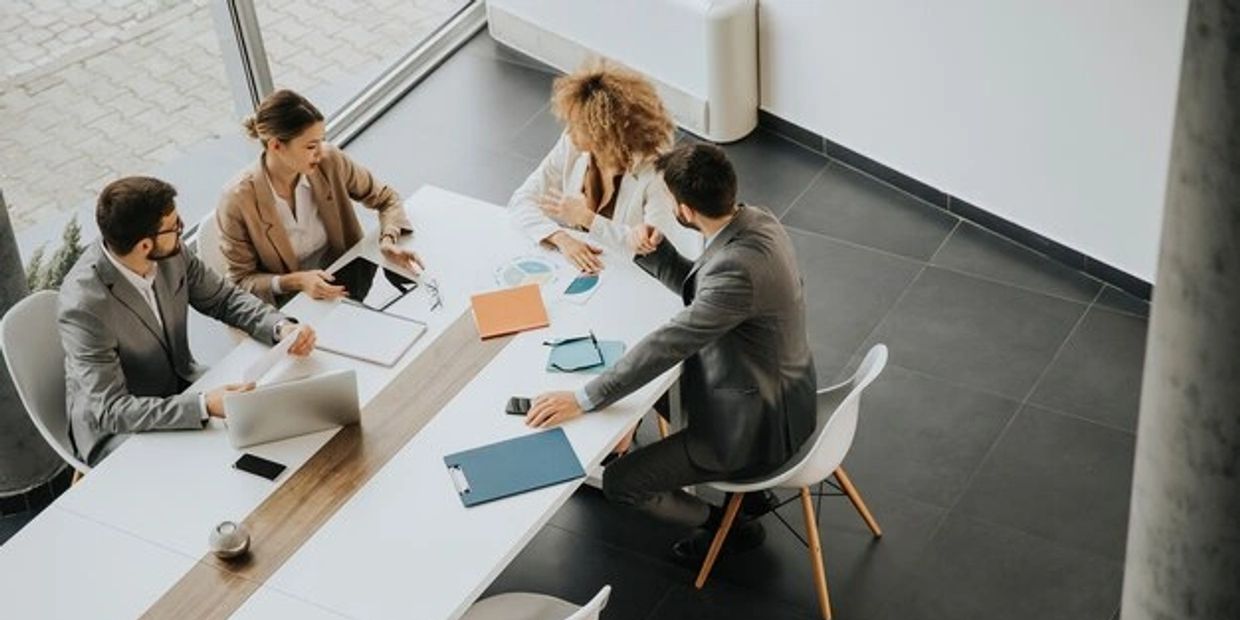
point(173, 487)
point(403, 545)
point(63, 565)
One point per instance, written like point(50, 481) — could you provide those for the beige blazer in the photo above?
point(254, 242)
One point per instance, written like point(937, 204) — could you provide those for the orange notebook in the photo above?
point(509, 311)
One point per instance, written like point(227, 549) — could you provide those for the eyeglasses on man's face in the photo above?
point(177, 228)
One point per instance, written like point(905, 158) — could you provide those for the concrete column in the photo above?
point(25, 459)
point(1183, 557)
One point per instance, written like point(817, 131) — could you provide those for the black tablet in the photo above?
point(371, 285)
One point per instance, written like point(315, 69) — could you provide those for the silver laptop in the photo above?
point(292, 408)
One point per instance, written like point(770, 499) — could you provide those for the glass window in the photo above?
point(330, 50)
point(92, 91)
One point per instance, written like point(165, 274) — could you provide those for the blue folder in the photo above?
point(513, 467)
point(584, 355)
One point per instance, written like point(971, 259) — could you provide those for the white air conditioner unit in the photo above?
point(702, 55)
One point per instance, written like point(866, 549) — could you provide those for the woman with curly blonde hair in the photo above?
point(600, 178)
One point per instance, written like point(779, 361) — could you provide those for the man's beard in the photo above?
point(176, 249)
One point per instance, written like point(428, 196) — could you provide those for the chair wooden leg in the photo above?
point(857, 502)
point(729, 515)
point(77, 476)
point(815, 554)
point(662, 426)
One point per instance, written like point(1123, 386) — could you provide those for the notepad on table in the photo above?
point(353, 330)
point(508, 311)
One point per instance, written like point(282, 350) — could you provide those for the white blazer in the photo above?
point(641, 198)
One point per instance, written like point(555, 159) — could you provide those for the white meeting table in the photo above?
point(402, 545)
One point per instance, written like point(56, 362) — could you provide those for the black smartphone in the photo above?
point(259, 466)
point(517, 405)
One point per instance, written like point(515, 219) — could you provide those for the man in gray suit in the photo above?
point(748, 384)
point(122, 317)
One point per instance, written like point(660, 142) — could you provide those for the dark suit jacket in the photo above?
point(123, 373)
point(748, 384)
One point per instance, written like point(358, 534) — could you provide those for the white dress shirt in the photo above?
point(145, 285)
point(641, 198)
point(304, 229)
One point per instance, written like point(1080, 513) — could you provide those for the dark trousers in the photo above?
point(649, 480)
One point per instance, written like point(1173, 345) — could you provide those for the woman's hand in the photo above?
point(316, 283)
point(407, 259)
point(582, 255)
point(568, 210)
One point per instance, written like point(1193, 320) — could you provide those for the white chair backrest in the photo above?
point(30, 340)
point(837, 426)
point(594, 608)
point(207, 244)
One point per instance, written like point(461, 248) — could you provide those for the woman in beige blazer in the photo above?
point(599, 178)
point(290, 214)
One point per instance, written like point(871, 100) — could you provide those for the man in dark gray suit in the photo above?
point(748, 384)
point(122, 316)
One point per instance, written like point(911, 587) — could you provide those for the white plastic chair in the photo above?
point(30, 340)
point(528, 606)
point(209, 339)
point(838, 407)
point(206, 241)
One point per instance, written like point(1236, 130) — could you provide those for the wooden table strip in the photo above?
point(295, 511)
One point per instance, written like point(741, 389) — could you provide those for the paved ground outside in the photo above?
point(94, 90)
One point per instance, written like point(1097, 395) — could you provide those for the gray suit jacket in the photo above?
point(123, 373)
point(748, 384)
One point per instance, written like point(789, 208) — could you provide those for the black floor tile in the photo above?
point(862, 571)
point(980, 571)
point(589, 514)
point(1115, 299)
point(1098, 373)
point(720, 601)
point(10, 524)
point(847, 291)
point(978, 251)
point(469, 104)
point(40, 497)
point(483, 46)
point(574, 568)
point(1060, 478)
point(771, 170)
point(849, 205)
point(486, 175)
point(922, 437)
point(986, 335)
point(13, 504)
point(534, 140)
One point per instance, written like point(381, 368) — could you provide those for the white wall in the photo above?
point(1054, 114)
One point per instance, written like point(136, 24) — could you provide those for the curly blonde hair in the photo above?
point(616, 110)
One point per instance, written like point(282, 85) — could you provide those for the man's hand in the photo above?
point(305, 338)
point(582, 255)
point(316, 283)
point(553, 408)
point(569, 210)
point(644, 239)
point(406, 259)
point(215, 398)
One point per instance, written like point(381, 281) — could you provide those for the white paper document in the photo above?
point(362, 333)
point(269, 359)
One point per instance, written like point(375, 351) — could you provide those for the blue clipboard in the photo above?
point(583, 354)
point(512, 467)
